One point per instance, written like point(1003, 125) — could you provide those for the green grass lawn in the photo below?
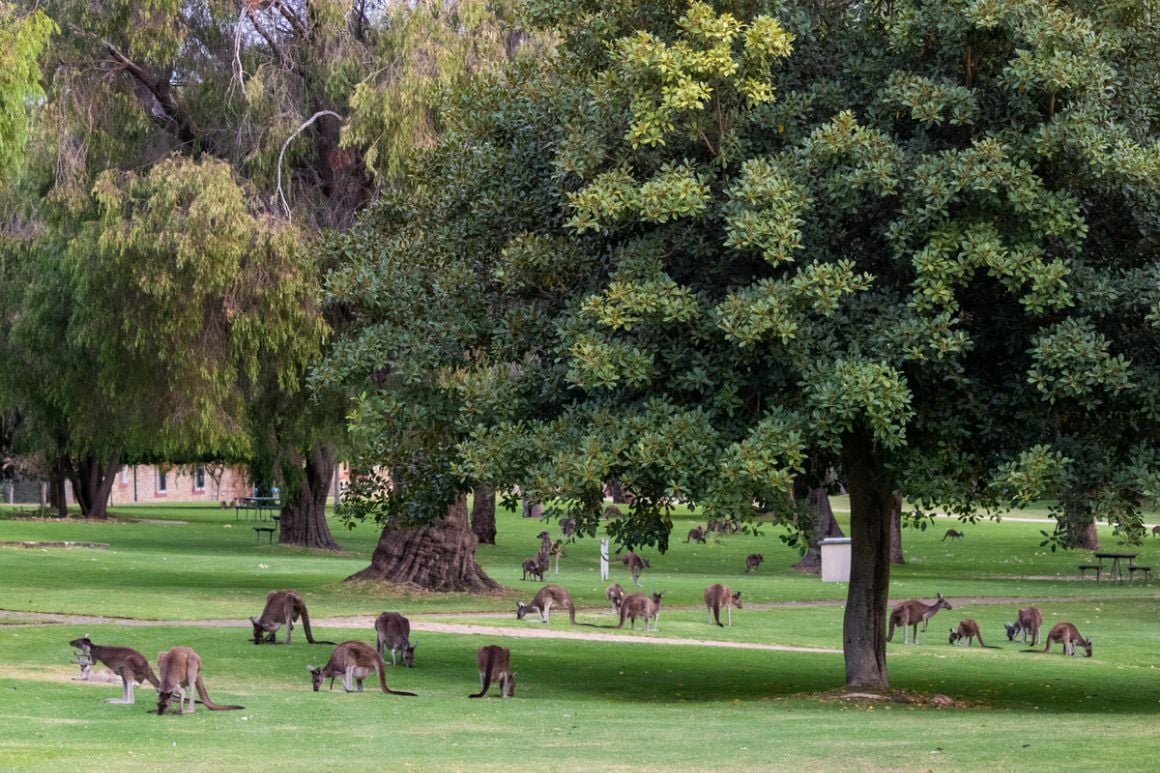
point(580, 704)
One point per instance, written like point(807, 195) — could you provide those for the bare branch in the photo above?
point(282, 152)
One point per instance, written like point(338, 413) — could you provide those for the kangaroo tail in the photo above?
point(717, 615)
point(200, 684)
point(382, 668)
point(571, 613)
point(487, 668)
point(151, 677)
point(306, 628)
point(890, 633)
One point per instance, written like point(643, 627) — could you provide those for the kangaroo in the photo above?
point(180, 670)
point(968, 629)
point(952, 534)
point(1067, 635)
point(393, 632)
point(283, 607)
point(1028, 620)
point(635, 565)
point(753, 561)
point(547, 597)
point(125, 662)
point(696, 534)
point(1156, 531)
point(639, 605)
point(353, 660)
point(718, 596)
point(495, 665)
point(615, 594)
point(913, 612)
point(533, 569)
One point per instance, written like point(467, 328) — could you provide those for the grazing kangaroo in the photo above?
point(615, 594)
point(1027, 621)
point(639, 605)
point(547, 597)
point(952, 534)
point(696, 534)
point(752, 561)
point(913, 612)
point(968, 629)
point(718, 596)
point(353, 660)
point(495, 665)
point(393, 632)
point(1067, 635)
point(533, 569)
point(635, 565)
point(125, 662)
point(180, 669)
point(283, 607)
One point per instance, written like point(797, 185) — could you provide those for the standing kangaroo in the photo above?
point(180, 669)
point(495, 665)
point(952, 534)
point(353, 660)
point(1028, 620)
point(547, 597)
point(393, 632)
point(968, 629)
point(718, 596)
point(1067, 635)
point(696, 534)
point(913, 612)
point(753, 561)
point(615, 594)
point(125, 662)
point(532, 568)
point(639, 605)
point(635, 565)
point(283, 607)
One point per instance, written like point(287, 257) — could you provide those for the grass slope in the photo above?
point(580, 704)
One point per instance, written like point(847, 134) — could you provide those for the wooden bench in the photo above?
point(269, 534)
point(1145, 573)
point(1083, 570)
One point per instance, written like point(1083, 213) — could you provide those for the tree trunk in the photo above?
point(303, 521)
point(896, 556)
point(871, 503)
point(825, 526)
point(615, 491)
point(483, 514)
point(92, 480)
point(440, 557)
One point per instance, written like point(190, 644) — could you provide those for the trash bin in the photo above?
point(836, 559)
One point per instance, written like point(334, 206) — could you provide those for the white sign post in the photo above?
point(604, 559)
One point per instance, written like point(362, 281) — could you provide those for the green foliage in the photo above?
point(23, 39)
point(701, 246)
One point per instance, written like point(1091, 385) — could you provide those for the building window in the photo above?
point(162, 484)
point(199, 479)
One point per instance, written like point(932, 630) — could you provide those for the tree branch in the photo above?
point(289, 139)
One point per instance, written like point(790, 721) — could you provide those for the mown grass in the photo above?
point(581, 704)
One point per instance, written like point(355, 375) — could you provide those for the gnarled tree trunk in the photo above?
point(440, 557)
point(303, 521)
point(871, 504)
point(826, 526)
point(92, 480)
point(483, 514)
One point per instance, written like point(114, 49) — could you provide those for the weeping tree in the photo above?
point(704, 245)
point(296, 100)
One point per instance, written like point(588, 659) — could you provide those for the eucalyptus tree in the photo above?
point(23, 38)
point(309, 105)
point(913, 242)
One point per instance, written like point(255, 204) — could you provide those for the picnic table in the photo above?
point(1115, 571)
point(260, 507)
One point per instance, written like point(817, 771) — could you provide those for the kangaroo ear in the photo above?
point(414, 644)
point(311, 669)
point(938, 596)
point(253, 620)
